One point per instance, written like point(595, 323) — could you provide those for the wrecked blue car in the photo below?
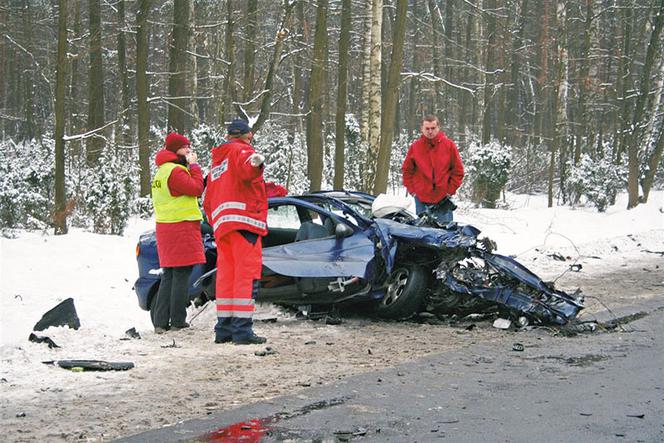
point(330, 249)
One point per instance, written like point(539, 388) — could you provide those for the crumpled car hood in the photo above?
point(455, 236)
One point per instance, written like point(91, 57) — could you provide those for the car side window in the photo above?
point(341, 214)
point(285, 216)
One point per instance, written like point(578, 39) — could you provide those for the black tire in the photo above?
point(404, 293)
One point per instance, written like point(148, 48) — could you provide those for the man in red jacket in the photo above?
point(236, 206)
point(433, 171)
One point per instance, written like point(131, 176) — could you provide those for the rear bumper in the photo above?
point(144, 287)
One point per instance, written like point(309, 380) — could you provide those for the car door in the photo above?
point(331, 255)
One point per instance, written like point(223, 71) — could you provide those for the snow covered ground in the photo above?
point(38, 271)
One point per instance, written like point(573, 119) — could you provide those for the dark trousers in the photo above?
point(170, 306)
point(444, 216)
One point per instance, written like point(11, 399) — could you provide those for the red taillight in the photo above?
point(138, 249)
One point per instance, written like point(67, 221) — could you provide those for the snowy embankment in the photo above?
point(530, 230)
point(98, 271)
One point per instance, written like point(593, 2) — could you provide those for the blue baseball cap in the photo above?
point(238, 127)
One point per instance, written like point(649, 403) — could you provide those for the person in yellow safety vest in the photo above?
point(175, 189)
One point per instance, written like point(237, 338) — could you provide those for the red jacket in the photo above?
point(432, 168)
point(180, 244)
point(235, 198)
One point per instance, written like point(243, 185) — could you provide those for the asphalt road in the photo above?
point(606, 386)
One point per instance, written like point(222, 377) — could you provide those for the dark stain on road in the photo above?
point(265, 430)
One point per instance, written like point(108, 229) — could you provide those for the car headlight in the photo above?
point(138, 249)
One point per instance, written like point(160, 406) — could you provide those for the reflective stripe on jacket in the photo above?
point(170, 209)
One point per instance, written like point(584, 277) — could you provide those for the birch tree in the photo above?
point(375, 97)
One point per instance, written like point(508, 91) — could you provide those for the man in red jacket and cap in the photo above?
point(433, 171)
point(236, 206)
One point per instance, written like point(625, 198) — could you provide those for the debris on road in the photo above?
point(63, 314)
point(132, 333)
point(267, 351)
point(38, 339)
point(502, 323)
point(91, 365)
point(557, 256)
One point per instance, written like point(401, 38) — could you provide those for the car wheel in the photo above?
point(404, 292)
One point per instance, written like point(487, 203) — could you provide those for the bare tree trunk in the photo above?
point(517, 43)
point(279, 38)
point(653, 163)
point(558, 89)
point(375, 96)
point(124, 77)
point(413, 112)
point(192, 78)
point(342, 94)
point(296, 65)
point(229, 80)
point(250, 49)
point(315, 139)
point(487, 117)
point(562, 121)
point(449, 53)
point(391, 99)
point(366, 73)
point(437, 32)
point(624, 74)
point(142, 94)
point(466, 105)
point(60, 215)
point(584, 80)
point(634, 135)
point(74, 95)
point(95, 144)
point(29, 129)
point(178, 106)
point(502, 78)
point(656, 155)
